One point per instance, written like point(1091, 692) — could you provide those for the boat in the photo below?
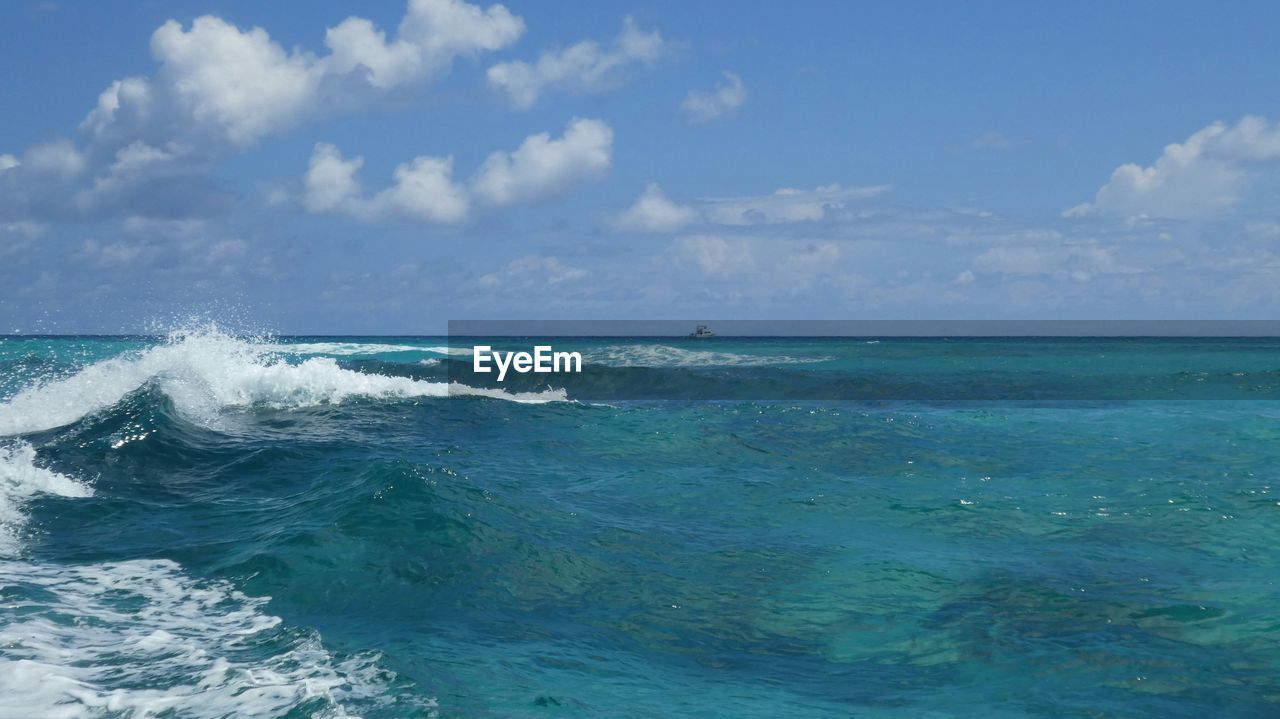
point(702, 332)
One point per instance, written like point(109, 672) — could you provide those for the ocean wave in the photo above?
point(148, 640)
point(364, 348)
point(208, 371)
point(668, 356)
point(20, 480)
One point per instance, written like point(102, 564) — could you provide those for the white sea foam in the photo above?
point(363, 348)
point(668, 356)
point(20, 480)
point(207, 372)
point(141, 638)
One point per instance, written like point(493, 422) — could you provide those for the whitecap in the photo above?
point(206, 372)
point(20, 480)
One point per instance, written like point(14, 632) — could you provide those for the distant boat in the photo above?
point(702, 332)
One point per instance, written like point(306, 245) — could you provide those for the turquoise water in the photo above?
point(210, 526)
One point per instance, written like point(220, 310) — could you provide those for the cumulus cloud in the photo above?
point(59, 157)
point(654, 212)
point(330, 180)
point(431, 35)
point(584, 67)
point(233, 83)
point(424, 188)
point(220, 88)
point(543, 166)
point(702, 106)
point(787, 205)
point(240, 85)
point(1204, 176)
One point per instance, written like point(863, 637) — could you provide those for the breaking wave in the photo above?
point(143, 638)
point(205, 372)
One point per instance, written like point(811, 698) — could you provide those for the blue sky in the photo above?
point(384, 167)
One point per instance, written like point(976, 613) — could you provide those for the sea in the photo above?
point(208, 524)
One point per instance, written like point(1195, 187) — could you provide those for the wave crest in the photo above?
point(204, 372)
point(20, 480)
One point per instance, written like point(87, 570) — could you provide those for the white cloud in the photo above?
point(704, 106)
point(531, 272)
point(60, 158)
point(241, 85)
point(431, 34)
point(543, 166)
point(218, 88)
point(238, 84)
point(423, 189)
point(126, 102)
point(993, 141)
point(584, 67)
point(1204, 176)
point(7, 162)
point(787, 205)
point(654, 212)
point(330, 181)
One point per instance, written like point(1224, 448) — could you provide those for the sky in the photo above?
point(384, 167)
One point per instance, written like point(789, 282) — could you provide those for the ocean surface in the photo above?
point(206, 525)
